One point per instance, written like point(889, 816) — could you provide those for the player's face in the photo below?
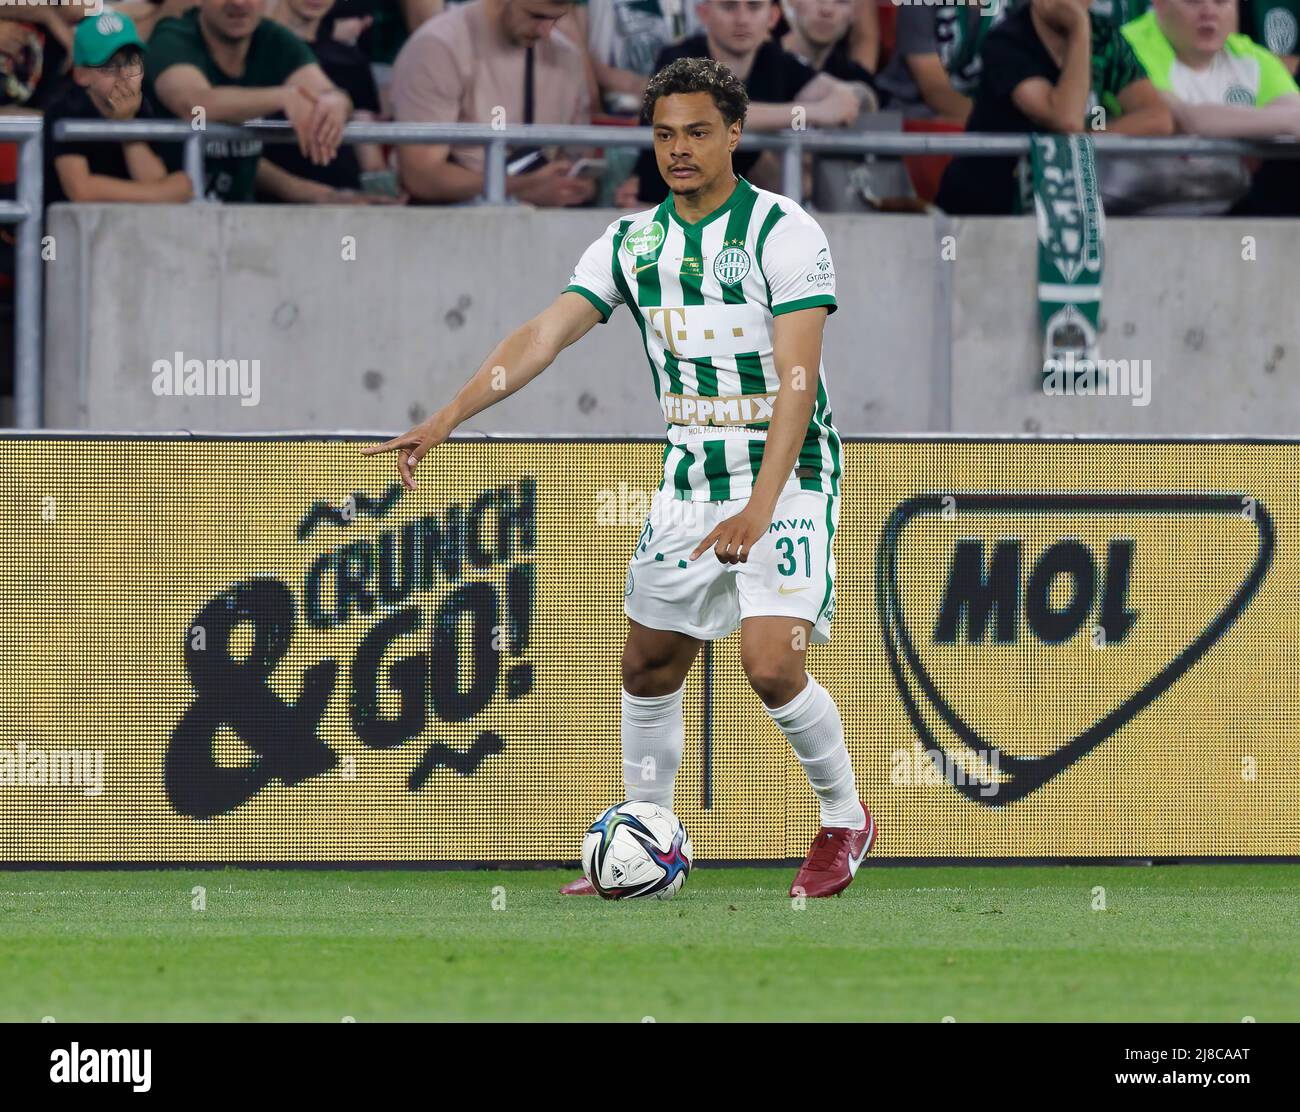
point(823, 22)
point(1197, 25)
point(739, 25)
point(693, 144)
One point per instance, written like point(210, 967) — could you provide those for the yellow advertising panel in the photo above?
point(264, 650)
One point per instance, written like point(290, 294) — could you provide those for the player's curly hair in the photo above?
point(698, 75)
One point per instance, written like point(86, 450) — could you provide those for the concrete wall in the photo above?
point(919, 344)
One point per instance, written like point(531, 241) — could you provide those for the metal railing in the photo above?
point(25, 213)
point(792, 144)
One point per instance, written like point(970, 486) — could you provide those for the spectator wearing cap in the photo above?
point(223, 58)
point(480, 62)
point(105, 83)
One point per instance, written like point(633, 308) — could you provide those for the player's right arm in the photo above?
point(513, 363)
point(589, 299)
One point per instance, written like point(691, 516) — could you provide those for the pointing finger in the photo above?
point(705, 544)
point(387, 446)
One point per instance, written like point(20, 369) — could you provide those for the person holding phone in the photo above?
point(476, 63)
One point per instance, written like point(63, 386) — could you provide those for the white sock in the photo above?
point(811, 721)
point(653, 730)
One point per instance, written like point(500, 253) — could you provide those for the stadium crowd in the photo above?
point(1137, 67)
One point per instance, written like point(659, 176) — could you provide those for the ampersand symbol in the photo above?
point(235, 693)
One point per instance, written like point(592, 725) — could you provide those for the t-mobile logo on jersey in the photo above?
point(179, 377)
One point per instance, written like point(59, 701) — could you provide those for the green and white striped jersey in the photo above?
point(705, 295)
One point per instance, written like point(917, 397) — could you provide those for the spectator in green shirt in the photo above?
point(223, 59)
point(1216, 83)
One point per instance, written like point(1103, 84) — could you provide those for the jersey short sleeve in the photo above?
point(280, 54)
point(796, 261)
point(594, 277)
point(171, 45)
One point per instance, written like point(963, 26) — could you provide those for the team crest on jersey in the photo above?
point(644, 241)
point(731, 265)
point(1239, 94)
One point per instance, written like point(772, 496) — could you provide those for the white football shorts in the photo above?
point(790, 571)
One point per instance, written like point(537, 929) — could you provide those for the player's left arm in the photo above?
point(797, 352)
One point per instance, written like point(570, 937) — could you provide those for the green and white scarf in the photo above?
point(1071, 226)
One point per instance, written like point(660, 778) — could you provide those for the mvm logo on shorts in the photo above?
point(1024, 630)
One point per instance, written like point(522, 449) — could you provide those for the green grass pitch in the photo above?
point(1209, 943)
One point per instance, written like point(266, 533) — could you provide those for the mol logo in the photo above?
point(1023, 631)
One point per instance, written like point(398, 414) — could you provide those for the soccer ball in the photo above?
point(637, 849)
